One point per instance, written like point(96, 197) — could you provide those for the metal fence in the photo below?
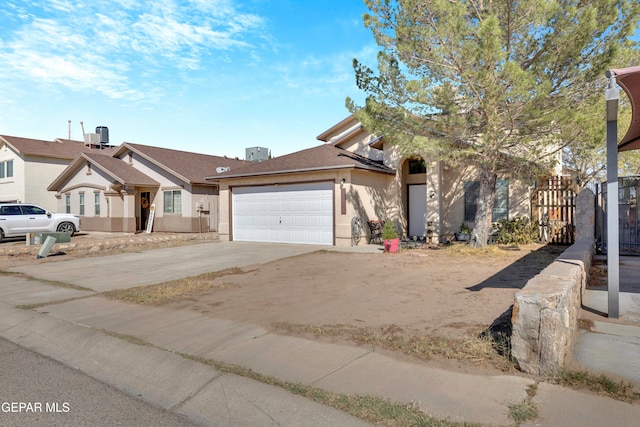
point(629, 233)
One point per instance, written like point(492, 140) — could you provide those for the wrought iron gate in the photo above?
point(629, 232)
point(553, 207)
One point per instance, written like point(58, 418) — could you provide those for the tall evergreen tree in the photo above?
point(489, 83)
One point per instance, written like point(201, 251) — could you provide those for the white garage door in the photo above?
point(300, 213)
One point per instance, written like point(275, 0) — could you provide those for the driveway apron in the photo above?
point(144, 268)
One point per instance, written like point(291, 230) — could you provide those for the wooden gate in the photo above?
point(553, 207)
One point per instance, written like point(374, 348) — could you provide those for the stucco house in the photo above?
point(119, 190)
point(311, 196)
point(27, 167)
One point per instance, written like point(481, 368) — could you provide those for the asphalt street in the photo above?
point(38, 391)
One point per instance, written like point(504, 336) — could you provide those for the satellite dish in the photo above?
point(221, 169)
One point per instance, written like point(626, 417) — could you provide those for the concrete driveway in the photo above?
point(154, 266)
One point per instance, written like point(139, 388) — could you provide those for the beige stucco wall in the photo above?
point(31, 177)
point(13, 188)
point(453, 198)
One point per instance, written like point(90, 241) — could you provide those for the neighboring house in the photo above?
point(27, 167)
point(116, 191)
point(312, 196)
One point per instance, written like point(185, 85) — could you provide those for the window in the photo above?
point(67, 203)
point(96, 198)
point(6, 169)
point(10, 210)
point(500, 204)
point(81, 203)
point(417, 166)
point(33, 210)
point(173, 201)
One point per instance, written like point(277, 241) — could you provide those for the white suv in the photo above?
point(20, 219)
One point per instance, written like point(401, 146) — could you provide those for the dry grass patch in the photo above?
point(168, 291)
point(480, 349)
point(490, 251)
point(597, 383)
point(376, 410)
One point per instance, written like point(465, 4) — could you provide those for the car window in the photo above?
point(10, 210)
point(33, 210)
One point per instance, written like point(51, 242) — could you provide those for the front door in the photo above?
point(417, 209)
point(144, 209)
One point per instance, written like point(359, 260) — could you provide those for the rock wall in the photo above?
point(545, 311)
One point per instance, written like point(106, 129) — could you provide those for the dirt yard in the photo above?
point(378, 299)
point(373, 299)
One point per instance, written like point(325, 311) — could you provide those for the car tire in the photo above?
point(66, 227)
point(1, 235)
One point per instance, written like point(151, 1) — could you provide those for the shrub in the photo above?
point(388, 232)
point(516, 231)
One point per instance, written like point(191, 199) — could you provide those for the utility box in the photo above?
point(257, 154)
point(202, 206)
point(39, 238)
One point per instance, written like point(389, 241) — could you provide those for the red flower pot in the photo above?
point(391, 245)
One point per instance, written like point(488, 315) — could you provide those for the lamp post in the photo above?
point(613, 250)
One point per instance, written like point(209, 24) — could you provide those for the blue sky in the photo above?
point(209, 76)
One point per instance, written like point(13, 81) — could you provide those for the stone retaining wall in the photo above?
point(545, 311)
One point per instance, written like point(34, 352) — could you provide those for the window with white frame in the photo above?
point(173, 202)
point(6, 169)
point(81, 203)
point(500, 204)
point(96, 203)
point(67, 203)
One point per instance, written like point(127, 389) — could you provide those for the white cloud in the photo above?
point(104, 45)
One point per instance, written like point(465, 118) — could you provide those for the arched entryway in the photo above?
point(414, 184)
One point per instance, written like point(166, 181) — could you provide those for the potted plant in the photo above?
point(390, 238)
point(464, 234)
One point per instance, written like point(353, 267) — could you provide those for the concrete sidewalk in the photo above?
point(142, 349)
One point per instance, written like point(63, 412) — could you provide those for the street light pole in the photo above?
point(613, 240)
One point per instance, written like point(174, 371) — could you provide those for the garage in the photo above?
point(294, 213)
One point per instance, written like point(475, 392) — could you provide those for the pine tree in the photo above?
point(488, 83)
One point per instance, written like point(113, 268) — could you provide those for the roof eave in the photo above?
point(303, 170)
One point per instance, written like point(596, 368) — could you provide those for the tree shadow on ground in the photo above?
point(517, 274)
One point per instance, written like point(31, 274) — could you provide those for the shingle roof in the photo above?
point(191, 167)
point(120, 170)
point(59, 149)
point(322, 157)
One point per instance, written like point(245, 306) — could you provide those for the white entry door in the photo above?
point(297, 213)
point(417, 209)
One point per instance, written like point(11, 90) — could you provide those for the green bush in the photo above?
point(520, 231)
point(388, 232)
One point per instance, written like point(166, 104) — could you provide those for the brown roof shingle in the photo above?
point(59, 149)
point(192, 167)
point(120, 170)
point(323, 157)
